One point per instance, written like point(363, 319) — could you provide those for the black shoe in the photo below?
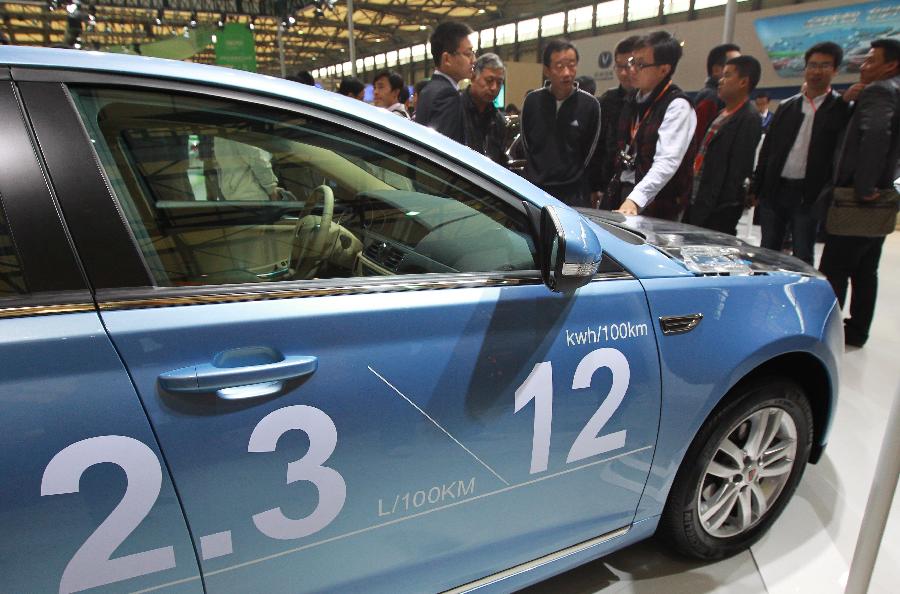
point(854, 342)
point(852, 337)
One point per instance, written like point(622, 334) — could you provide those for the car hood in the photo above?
point(703, 251)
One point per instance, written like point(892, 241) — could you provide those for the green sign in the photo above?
point(180, 46)
point(236, 48)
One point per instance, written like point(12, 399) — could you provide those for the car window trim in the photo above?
point(142, 296)
point(47, 303)
point(125, 299)
point(317, 112)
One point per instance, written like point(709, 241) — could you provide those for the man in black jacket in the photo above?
point(867, 162)
point(611, 103)
point(796, 160)
point(707, 103)
point(725, 155)
point(485, 126)
point(439, 104)
point(561, 129)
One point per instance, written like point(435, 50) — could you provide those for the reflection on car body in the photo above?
point(387, 364)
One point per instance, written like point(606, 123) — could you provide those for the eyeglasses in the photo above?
point(639, 66)
point(622, 67)
point(819, 65)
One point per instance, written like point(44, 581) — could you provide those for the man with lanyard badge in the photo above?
point(725, 157)
point(653, 170)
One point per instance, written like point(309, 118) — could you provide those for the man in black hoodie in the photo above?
point(725, 155)
point(561, 130)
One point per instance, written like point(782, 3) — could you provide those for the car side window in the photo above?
point(12, 279)
point(220, 192)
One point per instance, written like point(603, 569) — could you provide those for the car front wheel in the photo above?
point(740, 471)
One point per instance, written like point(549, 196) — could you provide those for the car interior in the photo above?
point(305, 199)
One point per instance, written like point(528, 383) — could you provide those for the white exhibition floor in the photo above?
point(811, 546)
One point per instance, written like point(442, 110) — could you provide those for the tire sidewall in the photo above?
point(681, 515)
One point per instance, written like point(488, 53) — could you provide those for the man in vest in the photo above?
point(653, 173)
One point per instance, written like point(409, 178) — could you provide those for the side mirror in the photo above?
point(570, 250)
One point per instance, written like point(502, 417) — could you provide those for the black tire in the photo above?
point(680, 524)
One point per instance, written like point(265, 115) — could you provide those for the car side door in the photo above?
point(86, 501)
point(357, 378)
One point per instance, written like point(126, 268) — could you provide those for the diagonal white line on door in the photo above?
point(438, 425)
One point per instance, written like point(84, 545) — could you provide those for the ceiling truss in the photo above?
point(317, 35)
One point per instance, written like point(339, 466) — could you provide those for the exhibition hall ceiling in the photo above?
point(313, 32)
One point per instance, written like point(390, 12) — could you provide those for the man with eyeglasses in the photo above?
point(796, 159)
point(561, 130)
point(653, 171)
point(438, 105)
point(611, 103)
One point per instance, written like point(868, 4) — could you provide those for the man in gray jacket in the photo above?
point(867, 161)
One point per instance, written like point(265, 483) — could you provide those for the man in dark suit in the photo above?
point(725, 155)
point(796, 159)
point(867, 162)
point(439, 105)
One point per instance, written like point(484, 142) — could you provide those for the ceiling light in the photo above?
point(480, 11)
point(291, 20)
point(422, 27)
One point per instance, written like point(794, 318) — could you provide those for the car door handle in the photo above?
point(233, 383)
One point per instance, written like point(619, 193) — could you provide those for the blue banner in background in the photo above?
point(786, 38)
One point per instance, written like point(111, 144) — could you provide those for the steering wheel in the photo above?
point(311, 235)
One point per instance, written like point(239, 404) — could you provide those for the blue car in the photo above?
point(257, 337)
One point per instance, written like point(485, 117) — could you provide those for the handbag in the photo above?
point(871, 218)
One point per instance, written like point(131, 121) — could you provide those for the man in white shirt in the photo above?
point(653, 172)
point(797, 156)
point(245, 171)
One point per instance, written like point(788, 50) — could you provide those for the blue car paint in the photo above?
point(747, 322)
point(61, 383)
point(459, 355)
point(462, 333)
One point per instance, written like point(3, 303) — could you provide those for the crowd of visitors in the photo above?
point(822, 164)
